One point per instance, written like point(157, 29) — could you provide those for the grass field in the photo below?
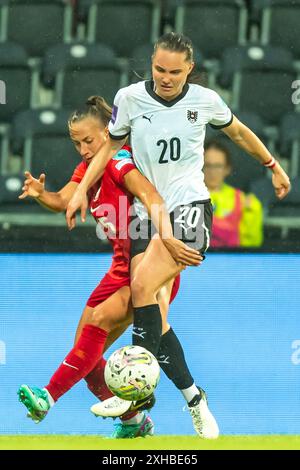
point(60, 442)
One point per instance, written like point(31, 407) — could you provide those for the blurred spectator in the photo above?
point(238, 217)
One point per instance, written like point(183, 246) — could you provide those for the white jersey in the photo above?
point(167, 137)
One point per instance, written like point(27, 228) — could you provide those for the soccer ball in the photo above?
point(132, 373)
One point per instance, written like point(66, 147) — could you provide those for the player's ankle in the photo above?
point(136, 419)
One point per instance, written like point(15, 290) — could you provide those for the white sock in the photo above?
point(50, 399)
point(190, 393)
point(137, 419)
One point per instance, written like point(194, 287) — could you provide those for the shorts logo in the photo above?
point(192, 116)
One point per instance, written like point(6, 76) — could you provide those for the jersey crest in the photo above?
point(192, 116)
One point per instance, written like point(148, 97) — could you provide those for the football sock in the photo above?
point(50, 398)
point(96, 383)
point(147, 327)
point(172, 361)
point(79, 362)
point(190, 393)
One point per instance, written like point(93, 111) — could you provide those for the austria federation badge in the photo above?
point(192, 116)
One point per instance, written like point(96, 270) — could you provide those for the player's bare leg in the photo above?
point(151, 271)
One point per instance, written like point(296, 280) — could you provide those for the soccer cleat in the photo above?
point(114, 406)
point(204, 423)
point(36, 401)
point(129, 431)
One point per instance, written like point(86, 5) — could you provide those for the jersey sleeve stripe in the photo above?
point(222, 125)
point(118, 137)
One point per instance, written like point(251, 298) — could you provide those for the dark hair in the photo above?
point(95, 107)
point(177, 42)
point(219, 145)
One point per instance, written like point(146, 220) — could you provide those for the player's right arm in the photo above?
point(56, 202)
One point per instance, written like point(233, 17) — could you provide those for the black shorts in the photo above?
point(191, 223)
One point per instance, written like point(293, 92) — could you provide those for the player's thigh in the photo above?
point(109, 314)
point(155, 269)
point(113, 311)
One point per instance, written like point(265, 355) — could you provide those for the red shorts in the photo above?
point(109, 285)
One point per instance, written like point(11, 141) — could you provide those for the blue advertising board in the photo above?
point(237, 316)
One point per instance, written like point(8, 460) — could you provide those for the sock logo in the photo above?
point(140, 332)
point(69, 365)
point(163, 359)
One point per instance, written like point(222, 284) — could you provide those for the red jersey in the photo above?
point(109, 204)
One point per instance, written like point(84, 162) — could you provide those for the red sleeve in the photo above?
point(118, 167)
point(79, 172)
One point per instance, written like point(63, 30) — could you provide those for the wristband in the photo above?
point(270, 164)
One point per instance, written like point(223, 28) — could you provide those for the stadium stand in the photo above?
point(22, 77)
point(4, 149)
point(223, 22)
point(290, 141)
point(79, 70)
point(10, 188)
point(279, 20)
point(138, 22)
point(260, 79)
point(42, 138)
point(19, 23)
point(245, 170)
point(248, 49)
point(263, 189)
point(282, 215)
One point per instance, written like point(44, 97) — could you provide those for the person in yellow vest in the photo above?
point(238, 217)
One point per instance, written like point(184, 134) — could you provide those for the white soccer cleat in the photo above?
point(111, 408)
point(114, 407)
point(204, 423)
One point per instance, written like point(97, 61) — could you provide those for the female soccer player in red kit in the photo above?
point(108, 310)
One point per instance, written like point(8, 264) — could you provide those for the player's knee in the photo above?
point(100, 319)
point(139, 288)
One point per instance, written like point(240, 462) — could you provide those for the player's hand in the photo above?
point(33, 187)
point(281, 181)
point(78, 201)
point(182, 253)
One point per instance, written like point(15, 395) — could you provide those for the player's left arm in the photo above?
point(140, 187)
point(248, 141)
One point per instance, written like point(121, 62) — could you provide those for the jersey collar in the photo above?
point(149, 85)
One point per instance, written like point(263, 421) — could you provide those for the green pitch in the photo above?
point(150, 443)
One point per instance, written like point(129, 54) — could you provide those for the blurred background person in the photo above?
point(238, 217)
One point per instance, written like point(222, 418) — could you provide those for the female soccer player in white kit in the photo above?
point(166, 118)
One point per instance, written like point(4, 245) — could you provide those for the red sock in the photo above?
point(79, 362)
point(96, 383)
